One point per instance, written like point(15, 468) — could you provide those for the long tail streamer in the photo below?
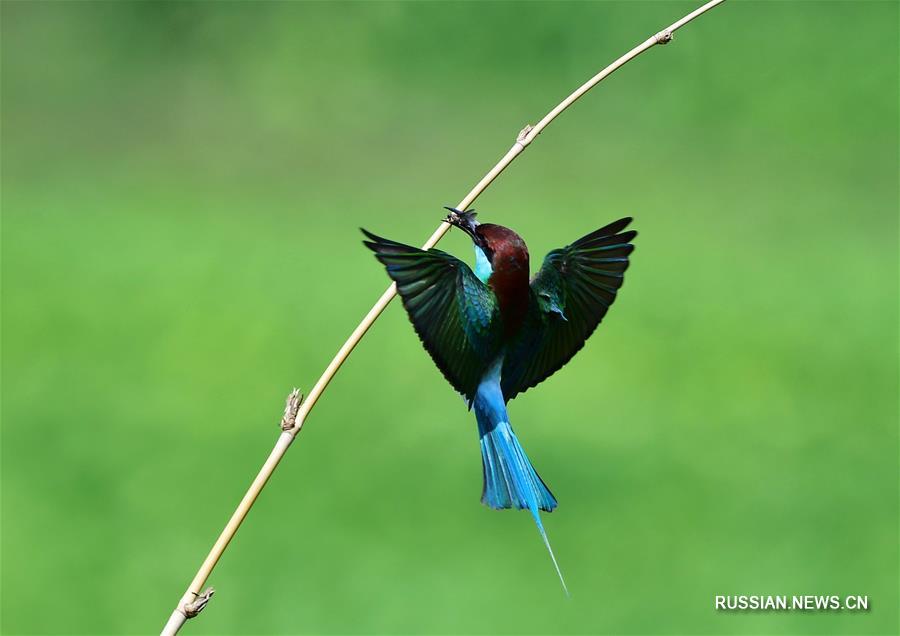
point(510, 480)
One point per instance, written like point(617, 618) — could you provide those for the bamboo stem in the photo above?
point(193, 601)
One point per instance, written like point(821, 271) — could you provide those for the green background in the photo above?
point(182, 186)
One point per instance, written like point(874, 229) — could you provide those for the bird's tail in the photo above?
point(510, 480)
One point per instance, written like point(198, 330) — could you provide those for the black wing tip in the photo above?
point(630, 235)
point(374, 242)
point(609, 231)
point(617, 226)
point(379, 244)
point(372, 237)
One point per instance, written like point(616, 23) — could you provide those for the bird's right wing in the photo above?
point(455, 315)
point(570, 296)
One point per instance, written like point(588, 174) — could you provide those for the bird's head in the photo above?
point(495, 241)
point(465, 221)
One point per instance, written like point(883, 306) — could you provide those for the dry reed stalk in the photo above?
point(298, 409)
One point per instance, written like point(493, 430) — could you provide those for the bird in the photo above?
point(494, 332)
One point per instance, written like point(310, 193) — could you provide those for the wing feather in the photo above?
point(580, 281)
point(454, 314)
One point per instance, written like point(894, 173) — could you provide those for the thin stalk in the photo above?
point(296, 412)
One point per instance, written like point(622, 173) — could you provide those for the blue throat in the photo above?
point(483, 269)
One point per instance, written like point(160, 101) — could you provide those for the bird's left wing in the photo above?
point(454, 313)
point(570, 295)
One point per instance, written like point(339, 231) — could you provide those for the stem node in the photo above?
point(291, 407)
point(522, 138)
point(196, 606)
point(664, 37)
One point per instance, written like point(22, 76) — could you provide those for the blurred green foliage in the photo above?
point(181, 190)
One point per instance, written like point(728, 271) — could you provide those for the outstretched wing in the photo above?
point(454, 313)
point(569, 297)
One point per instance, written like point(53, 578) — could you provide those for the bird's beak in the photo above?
point(464, 221)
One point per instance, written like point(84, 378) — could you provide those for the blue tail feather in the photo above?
point(510, 481)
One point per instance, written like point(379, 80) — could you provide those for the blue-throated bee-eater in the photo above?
point(494, 333)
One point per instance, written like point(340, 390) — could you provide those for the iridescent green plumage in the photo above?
point(455, 315)
point(570, 296)
point(459, 321)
